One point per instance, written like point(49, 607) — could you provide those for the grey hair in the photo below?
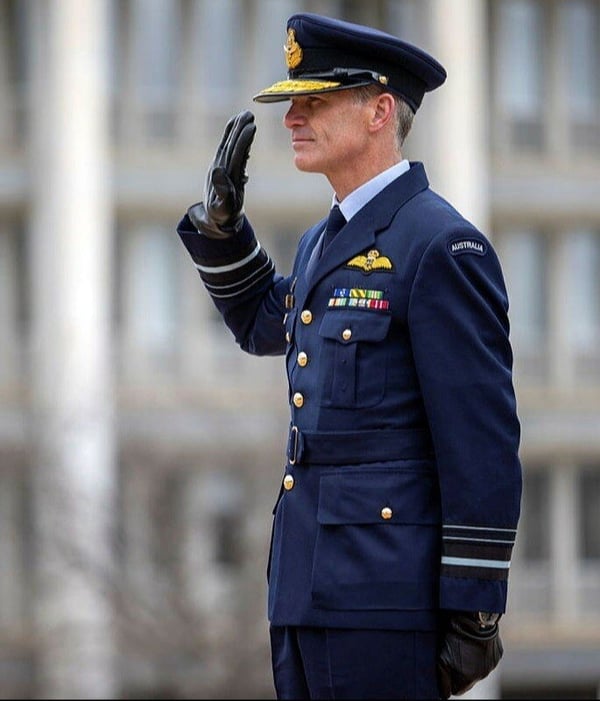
point(404, 114)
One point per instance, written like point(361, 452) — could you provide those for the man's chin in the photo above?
point(306, 165)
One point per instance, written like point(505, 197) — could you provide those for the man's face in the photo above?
point(329, 132)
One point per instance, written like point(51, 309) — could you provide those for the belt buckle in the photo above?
point(293, 445)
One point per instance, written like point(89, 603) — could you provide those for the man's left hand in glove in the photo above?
point(470, 651)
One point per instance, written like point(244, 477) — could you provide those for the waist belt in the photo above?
point(348, 447)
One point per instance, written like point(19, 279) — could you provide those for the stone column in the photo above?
point(72, 434)
point(564, 543)
point(458, 159)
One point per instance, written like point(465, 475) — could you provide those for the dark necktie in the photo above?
point(335, 222)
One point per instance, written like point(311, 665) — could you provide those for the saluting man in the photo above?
point(400, 499)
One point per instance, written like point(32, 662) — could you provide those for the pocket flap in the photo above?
point(352, 326)
point(390, 496)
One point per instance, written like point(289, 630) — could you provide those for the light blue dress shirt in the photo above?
point(357, 199)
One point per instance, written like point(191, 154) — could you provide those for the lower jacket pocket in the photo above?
point(378, 540)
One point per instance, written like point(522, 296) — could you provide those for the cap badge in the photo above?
point(372, 261)
point(293, 50)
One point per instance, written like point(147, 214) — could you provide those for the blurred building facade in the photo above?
point(186, 430)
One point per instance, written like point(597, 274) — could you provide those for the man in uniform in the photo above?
point(400, 499)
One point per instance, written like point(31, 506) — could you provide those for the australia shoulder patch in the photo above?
point(458, 246)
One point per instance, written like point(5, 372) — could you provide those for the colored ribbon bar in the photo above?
point(360, 303)
point(357, 292)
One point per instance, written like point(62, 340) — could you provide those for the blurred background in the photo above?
point(140, 450)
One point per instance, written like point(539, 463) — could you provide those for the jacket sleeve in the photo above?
point(458, 320)
point(240, 277)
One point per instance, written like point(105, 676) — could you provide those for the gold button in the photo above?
point(306, 316)
point(302, 359)
point(347, 334)
point(288, 338)
point(288, 482)
point(386, 513)
point(298, 400)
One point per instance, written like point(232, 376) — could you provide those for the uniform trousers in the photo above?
point(337, 663)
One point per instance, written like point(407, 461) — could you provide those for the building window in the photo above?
point(282, 246)
point(589, 513)
point(535, 517)
point(14, 550)
point(147, 304)
point(14, 71)
point(371, 13)
point(580, 25)
point(14, 302)
point(216, 73)
point(525, 262)
point(520, 72)
point(149, 81)
point(583, 314)
point(224, 504)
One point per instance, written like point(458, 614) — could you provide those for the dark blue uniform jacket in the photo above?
point(402, 487)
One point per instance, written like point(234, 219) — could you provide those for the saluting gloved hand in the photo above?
point(221, 213)
point(469, 653)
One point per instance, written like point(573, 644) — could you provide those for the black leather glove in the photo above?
point(221, 213)
point(468, 654)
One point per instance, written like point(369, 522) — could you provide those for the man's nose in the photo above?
point(294, 116)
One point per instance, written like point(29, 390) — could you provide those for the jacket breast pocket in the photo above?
point(353, 358)
point(378, 540)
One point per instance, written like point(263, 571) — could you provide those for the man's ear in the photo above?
point(383, 111)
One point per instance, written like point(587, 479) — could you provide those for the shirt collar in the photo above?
point(357, 199)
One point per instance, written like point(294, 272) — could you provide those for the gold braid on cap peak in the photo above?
point(300, 86)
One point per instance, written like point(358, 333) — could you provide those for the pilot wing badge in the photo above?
point(373, 261)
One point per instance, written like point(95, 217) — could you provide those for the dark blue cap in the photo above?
point(325, 54)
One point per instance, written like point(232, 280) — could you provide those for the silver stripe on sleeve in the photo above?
point(479, 540)
point(231, 266)
point(244, 289)
point(472, 562)
point(481, 528)
point(238, 282)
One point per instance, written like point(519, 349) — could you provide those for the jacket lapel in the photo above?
point(359, 234)
point(305, 262)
